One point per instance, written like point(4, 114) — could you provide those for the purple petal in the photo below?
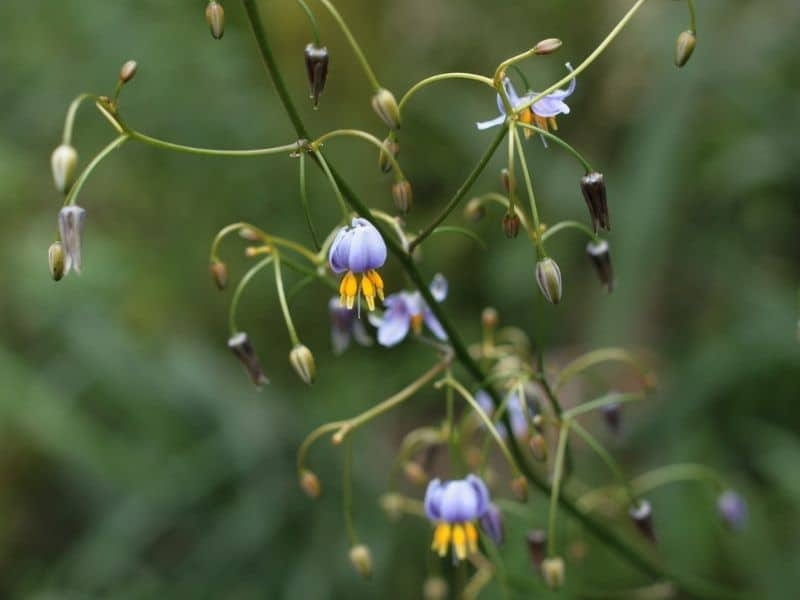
point(484, 400)
point(492, 524)
point(461, 502)
point(550, 107)
point(433, 500)
point(395, 325)
point(340, 251)
point(433, 324)
point(516, 412)
point(367, 250)
point(482, 491)
point(481, 125)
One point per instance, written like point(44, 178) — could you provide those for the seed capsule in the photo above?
point(215, 17)
point(537, 544)
point(241, 347)
point(219, 272)
point(601, 259)
point(403, 196)
point(128, 71)
point(303, 362)
point(385, 105)
point(684, 46)
point(64, 162)
point(593, 186)
point(317, 70)
point(384, 161)
point(511, 225)
point(548, 276)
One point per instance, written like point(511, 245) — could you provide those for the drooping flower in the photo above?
point(345, 326)
point(70, 227)
point(407, 311)
point(543, 112)
point(454, 506)
point(358, 249)
point(516, 412)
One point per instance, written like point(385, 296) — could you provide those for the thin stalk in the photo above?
point(285, 149)
point(674, 473)
point(76, 187)
point(558, 472)
point(334, 184)
point(537, 239)
point(237, 294)
point(561, 143)
point(692, 16)
point(613, 466)
point(461, 192)
point(441, 77)
point(512, 170)
point(282, 299)
point(560, 226)
point(593, 358)
point(357, 133)
point(586, 407)
point(302, 451)
point(312, 20)
point(347, 494)
point(69, 121)
point(304, 201)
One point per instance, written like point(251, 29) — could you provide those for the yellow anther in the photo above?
point(472, 537)
point(526, 116)
point(416, 323)
point(459, 542)
point(553, 123)
point(441, 538)
point(541, 122)
point(368, 289)
point(377, 281)
point(348, 290)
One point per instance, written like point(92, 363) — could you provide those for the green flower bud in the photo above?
point(309, 482)
point(303, 362)
point(403, 196)
point(56, 261)
point(385, 105)
point(684, 47)
point(474, 210)
point(384, 161)
point(128, 71)
point(361, 558)
point(215, 17)
point(548, 276)
point(64, 162)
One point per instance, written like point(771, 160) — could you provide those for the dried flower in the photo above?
point(642, 516)
point(70, 227)
point(309, 482)
point(391, 147)
point(241, 347)
point(510, 224)
point(593, 186)
point(537, 544)
point(317, 70)
point(601, 259)
point(403, 196)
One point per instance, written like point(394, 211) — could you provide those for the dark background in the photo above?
point(137, 461)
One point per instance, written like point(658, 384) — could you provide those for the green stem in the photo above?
point(595, 357)
point(512, 169)
point(551, 231)
point(76, 187)
point(673, 473)
point(586, 407)
point(537, 238)
point(302, 451)
point(353, 43)
point(334, 184)
point(285, 149)
point(312, 21)
point(304, 201)
point(282, 298)
point(503, 201)
point(240, 288)
point(347, 493)
point(70, 119)
point(613, 466)
point(558, 472)
point(461, 192)
point(441, 77)
point(692, 16)
point(357, 133)
point(560, 142)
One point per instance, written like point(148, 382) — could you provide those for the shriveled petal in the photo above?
point(433, 500)
point(481, 125)
point(433, 324)
point(439, 287)
point(395, 325)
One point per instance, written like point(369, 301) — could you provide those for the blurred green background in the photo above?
point(137, 461)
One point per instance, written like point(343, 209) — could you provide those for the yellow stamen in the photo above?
point(541, 122)
point(553, 124)
point(526, 116)
point(459, 542)
point(377, 281)
point(368, 289)
point(441, 538)
point(472, 537)
point(416, 323)
point(348, 290)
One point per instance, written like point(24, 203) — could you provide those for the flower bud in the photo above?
point(219, 272)
point(547, 46)
point(492, 523)
point(303, 362)
point(519, 487)
point(70, 228)
point(489, 318)
point(612, 415)
point(511, 224)
point(538, 446)
point(317, 70)
point(537, 544)
point(390, 147)
point(55, 260)
point(642, 516)
point(241, 347)
point(435, 588)
point(215, 17)
point(684, 46)
point(474, 210)
point(548, 276)
point(593, 186)
point(414, 473)
point(385, 105)
point(64, 162)
point(361, 558)
point(553, 572)
point(402, 195)
point(601, 259)
point(309, 483)
point(392, 504)
point(128, 71)
point(733, 509)
point(249, 234)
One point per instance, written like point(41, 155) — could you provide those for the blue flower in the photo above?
point(455, 506)
point(733, 509)
point(70, 228)
point(358, 249)
point(406, 311)
point(543, 112)
point(516, 412)
point(344, 326)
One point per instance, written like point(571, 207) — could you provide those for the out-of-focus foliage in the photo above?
point(136, 459)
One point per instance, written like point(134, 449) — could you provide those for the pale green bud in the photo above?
point(548, 276)
point(303, 362)
point(684, 47)
point(361, 558)
point(56, 261)
point(64, 162)
point(385, 105)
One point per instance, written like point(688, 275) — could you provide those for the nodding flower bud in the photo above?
point(593, 186)
point(385, 105)
point(215, 17)
point(303, 362)
point(128, 71)
point(241, 347)
point(612, 415)
point(309, 483)
point(492, 524)
point(393, 505)
point(505, 180)
point(519, 487)
point(390, 147)
point(490, 318)
point(601, 259)
point(642, 516)
point(70, 227)
point(64, 162)
point(537, 544)
point(414, 473)
point(547, 46)
point(474, 210)
point(249, 234)
point(684, 46)
point(510, 225)
point(435, 588)
point(553, 572)
point(219, 272)
point(55, 260)
point(538, 446)
point(548, 276)
point(402, 195)
point(733, 509)
point(361, 558)
point(317, 70)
